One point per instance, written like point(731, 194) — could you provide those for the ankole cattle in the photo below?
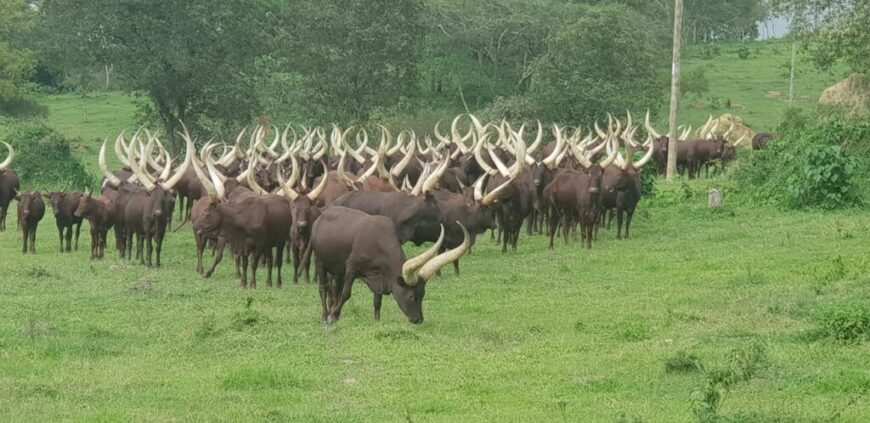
point(9, 185)
point(31, 209)
point(98, 213)
point(63, 206)
point(349, 244)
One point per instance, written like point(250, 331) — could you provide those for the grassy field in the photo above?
point(536, 335)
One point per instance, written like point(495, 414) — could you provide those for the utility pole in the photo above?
point(791, 81)
point(675, 90)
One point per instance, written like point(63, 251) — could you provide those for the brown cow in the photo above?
point(99, 216)
point(350, 244)
point(63, 205)
point(9, 185)
point(31, 209)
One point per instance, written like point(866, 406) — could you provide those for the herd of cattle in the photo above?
point(353, 207)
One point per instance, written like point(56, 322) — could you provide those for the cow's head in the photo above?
point(55, 198)
point(87, 205)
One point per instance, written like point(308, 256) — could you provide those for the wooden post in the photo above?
point(675, 90)
point(791, 81)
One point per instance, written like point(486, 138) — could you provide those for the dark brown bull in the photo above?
point(64, 205)
point(620, 189)
point(98, 212)
point(350, 244)
point(9, 185)
point(147, 214)
point(574, 197)
point(253, 226)
point(31, 209)
point(456, 209)
point(761, 139)
point(415, 217)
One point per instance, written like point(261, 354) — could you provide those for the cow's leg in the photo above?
point(33, 239)
point(2, 219)
point(456, 267)
point(268, 259)
point(297, 259)
point(378, 299)
point(159, 246)
point(306, 261)
point(347, 285)
point(219, 255)
point(24, 237)
point(320, 274)
point(566, 225)
point(254, 261)
point(60, 235)
point(149, 247)
point(279, 262)
point(140, 243)
point(554, 225)
point(69, 235)
point(628, 215)
point(243, 269)
point(78, 231)
point(619, 217)
point(199, 239)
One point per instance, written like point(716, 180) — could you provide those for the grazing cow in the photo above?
point(696, 153)
point(99, 216)
point(9, 185)
point(64, 205)
point(31, 208)
point(350, 244)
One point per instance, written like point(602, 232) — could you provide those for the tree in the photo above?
point(717, 20)
point(603, 62)
point(190, 58)
point(355, 55)
point(16, 63)
point(831, 30)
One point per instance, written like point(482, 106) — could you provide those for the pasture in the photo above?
point(532, 335)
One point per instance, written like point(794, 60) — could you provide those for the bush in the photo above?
point(812, 168)
point(743, 52)
point(695, 81)
point(849, 322)
point(44, 160)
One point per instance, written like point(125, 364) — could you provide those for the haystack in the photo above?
point(849, 97)
point(740, 129)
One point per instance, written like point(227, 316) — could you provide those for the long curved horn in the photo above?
point(477, 148)
point(215, 180)
point(538, 139)
point(742, 138)
point(432, 181)
point(646, 157)
point(478, 187)
point(114, 180)
point(728, 132)
point(400, 166)
point(418, 187)
point(598, 131)
point(11, 156)
point(649, 128)
point(549, 161)
point(438, 135)
point(409, 268)
point(611, 156)
point(702, 131)
point(491, 196)
point(685, 134)
point(315, 193)
point(121, 148)
point(446, 257)
point(286, 186)
point(581, 158)
point(134, 166)
point(179, 173)
point(252, 181)
point(498, 163)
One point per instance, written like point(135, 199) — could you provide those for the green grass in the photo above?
point(758, 86)
point(536, 335)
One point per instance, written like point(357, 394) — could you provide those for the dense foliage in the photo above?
point(44, 159)
point(819, 166)
point(16, 62)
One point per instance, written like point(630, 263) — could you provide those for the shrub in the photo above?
point(44, 160)
point(695, 81)
point(743, 52)
point(682, 362)
point(743, 365)
point(810, 168)
point(849, 322)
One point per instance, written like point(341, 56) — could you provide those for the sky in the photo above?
point(774, 27)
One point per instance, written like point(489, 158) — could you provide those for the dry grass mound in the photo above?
point(849, 97)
